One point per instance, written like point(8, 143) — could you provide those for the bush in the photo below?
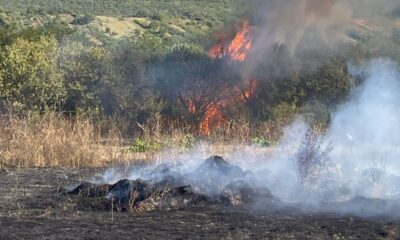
point(262, 142)
point(143, 13)
point(83, 20)
point(29, 78)
point(313, 162)
point(141, 146)
point(157, 17)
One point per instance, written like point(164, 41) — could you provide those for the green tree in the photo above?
point(84, 69)
point(28, 74)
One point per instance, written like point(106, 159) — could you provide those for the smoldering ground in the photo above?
point(352, 163)
point(352, 168)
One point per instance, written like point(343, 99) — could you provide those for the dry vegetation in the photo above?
point(53, 140)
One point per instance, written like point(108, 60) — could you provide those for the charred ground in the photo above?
point(32, 208)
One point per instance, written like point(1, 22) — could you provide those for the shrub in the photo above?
point(83, 20)
point(314, 165)
point(141, 146)
point(29, 78)
point(157, 16)
point(262, 142)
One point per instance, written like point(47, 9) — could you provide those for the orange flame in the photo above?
point(192, 107)
point(238, 49)
point(246, 94)
point(212, 118)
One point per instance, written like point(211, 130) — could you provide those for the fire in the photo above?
point(246, 94)
point(192, 107)
point(238, 49)
point(212, 118)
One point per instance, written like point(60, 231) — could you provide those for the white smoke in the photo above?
point(365, 137)
point(365, 133)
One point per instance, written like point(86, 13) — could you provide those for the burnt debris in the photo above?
point(214, 182)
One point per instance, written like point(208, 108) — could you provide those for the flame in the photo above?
point(212, 118)
point(246, 94)
point(192, 107)
point(238, 49)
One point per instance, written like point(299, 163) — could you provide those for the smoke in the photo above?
point(365, 156)
point(365, 133)
point(362, 178)
point(312, 31)
point(291, 23)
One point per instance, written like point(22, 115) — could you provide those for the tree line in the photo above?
point(136, 80)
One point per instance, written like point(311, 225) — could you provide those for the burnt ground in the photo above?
point(30, 208)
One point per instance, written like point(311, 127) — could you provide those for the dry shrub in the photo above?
point(51, 140)
point(315, 167)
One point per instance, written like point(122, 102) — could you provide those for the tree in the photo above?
point(193, 83)
point(84, 69)
point(29, 78)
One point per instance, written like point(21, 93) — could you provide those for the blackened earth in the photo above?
point(32, 206)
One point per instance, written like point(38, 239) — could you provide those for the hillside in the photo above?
point(103, 21)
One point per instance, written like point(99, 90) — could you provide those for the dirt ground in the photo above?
point(30, 208)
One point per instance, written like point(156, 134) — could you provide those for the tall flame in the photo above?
point(246, 94)
point(238, 49)
point(212, 117)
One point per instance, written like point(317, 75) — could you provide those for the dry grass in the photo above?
point(51, 140)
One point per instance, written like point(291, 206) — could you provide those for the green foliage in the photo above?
point(83, 19)
point(29, 78)
point(152, 8)
point(140, 146)
point(283, 112)
point(84, 71)
point(262, 142)
point(157, 70)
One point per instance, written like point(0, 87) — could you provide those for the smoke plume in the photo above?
point(311, 30)
point(291, 23)
point(364, 138)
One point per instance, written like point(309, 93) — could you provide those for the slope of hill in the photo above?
point(102, 21)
